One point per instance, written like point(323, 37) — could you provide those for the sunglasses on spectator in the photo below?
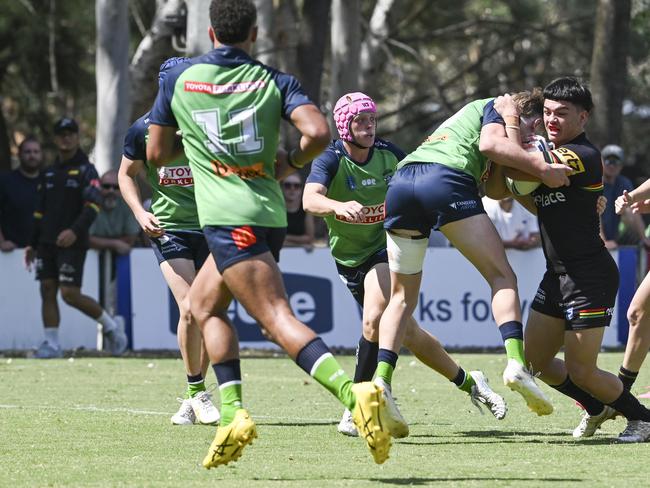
point(292, 186)
point(110, 186)
point(613, 161)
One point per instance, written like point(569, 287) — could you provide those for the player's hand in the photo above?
point(121, 247)
point(29, 257)
point(506, 106)
point(66, 238)
point(601, 204)
point(7, 246)
point(622, 202)
point(641, 207)
point(150, 224)
point(351, 211)
point(556, 175)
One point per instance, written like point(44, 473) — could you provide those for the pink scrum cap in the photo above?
point(347, 107)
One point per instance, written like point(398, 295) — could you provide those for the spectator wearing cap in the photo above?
point(67, 202)
point(17, 196)
point(614, 186)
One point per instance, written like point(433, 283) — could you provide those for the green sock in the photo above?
point(194, 388)
point(231, 401)
point(385, 371)
point(515, 350)
point(467, 384)
point(330, 374)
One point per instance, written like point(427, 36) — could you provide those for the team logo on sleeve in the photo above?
point(175, 176)
point(566, 156)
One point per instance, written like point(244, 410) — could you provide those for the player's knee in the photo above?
point(185, 309)
point(48, 289)
point(70, 295)
point(371, 323)
point(636, 316)
point(580, 374)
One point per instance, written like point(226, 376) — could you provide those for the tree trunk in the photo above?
point(311, 46)
point(609, 71)
point(198, 20)
point(154, 48)
point(346, 43)
point(112, 72)
point(371, 55)
point(265, 45)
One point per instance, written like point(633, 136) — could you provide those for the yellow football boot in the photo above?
point(370, 416)
point(230, 440)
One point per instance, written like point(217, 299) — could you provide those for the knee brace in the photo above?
point(405, 254)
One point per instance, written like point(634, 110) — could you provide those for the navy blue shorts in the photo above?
point(181, 244)
point(353, 277)
point(422, 196)
point(62, 264)
point(230, 244)
point(584, 298)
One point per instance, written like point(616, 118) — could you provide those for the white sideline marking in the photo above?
point(92, 408)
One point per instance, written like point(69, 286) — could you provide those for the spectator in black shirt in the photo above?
point(67, 203)
point(17, 196)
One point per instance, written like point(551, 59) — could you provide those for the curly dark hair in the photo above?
point(232, 20)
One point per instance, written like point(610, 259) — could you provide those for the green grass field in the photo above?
point(105, 422)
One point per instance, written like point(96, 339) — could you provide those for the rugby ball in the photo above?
point(520, 187)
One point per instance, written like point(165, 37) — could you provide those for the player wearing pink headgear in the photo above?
point(347, 186)
point(346, 109)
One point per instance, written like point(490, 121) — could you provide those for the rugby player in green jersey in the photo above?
point(229, 107)
point(172, 225)
point(436, 186)
point(347, 186)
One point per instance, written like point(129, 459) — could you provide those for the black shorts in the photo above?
point(63, 264)
point(354, 277)
point(230, 244)
point(422, 196)
point(183, 244)
point(585, 298)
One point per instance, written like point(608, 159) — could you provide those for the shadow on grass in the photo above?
point(504, 436)
point(489, 480)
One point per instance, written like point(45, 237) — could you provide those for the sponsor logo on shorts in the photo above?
point(371, 214)
point(540, 296)
point(71, 184)
point(223, 170)
point(67, 268)
point(224, 89)
point(243, 237)
point(176, 176)
point(549, 199)
point(464, 205)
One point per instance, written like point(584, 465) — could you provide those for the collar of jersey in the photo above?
point(341, 147)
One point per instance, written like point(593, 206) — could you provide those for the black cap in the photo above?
point(66, 124)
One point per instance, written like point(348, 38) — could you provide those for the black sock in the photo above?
point(570, 389)
point(312, 352)
point(627, 377)
point(460, 377)
point(630, 407)
point(511, 330)
point(366, 360)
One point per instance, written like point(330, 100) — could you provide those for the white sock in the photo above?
point(108, 324)
point(52, 336)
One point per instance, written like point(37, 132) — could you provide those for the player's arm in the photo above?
point(164, 145)
point(92, 199)
point(638, 200)
point(127, 174)
point(315, 134)
point(495, 185)
point(316, 202)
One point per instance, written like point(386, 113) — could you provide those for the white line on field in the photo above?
point(93, 408)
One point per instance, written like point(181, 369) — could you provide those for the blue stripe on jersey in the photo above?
point(325, 166)
point(292, 93)
point(490, 115)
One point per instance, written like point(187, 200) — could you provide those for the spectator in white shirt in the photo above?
point(517, 227)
